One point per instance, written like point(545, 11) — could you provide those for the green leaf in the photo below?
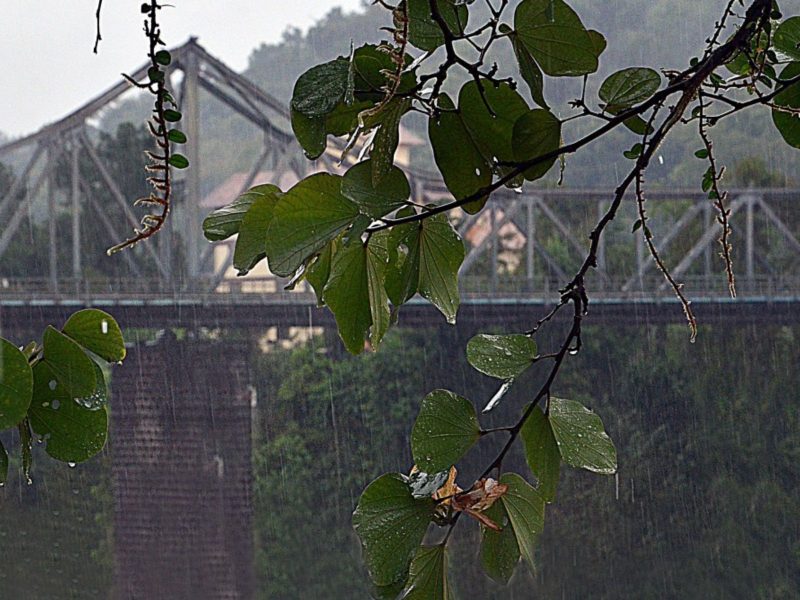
point(384, 145)
point(319, 271)
point(3, 464)
point(310, 133)
point(536, 133)
point(428, 577)
point(356, 294)
point(788, 123)
point(525, 508)
point(499, 549)
point(16, 385)
point(391, 524)
point(388, 592)
point(163, 57)
point(172, 116)
point(371, 65)
point(73, 371)
point(306, 218)
point(501, 356)
point(466, 171)
point(72, 432)
point(224, 222)
point(376, 201)
point(581, 438)
point(635, 152)
point(99, 397)
point(445, 429)
point(344, 118)
point(424, 32)
point(176, 136)
point(179, 161)
point(702, 153)
point(629, 87)
point(559, 42)
point(252, 241)
point(491, 131)
point(441, 253)
point(98, 332)
point(402, 277)
point(541, 452)
point(318, 90)
point(530, 71)
point(787, 38)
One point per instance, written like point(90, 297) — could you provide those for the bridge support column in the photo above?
point(181, 472)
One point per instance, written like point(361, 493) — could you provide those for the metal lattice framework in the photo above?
point(521, 244)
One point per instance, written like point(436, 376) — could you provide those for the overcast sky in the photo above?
point(48, 69)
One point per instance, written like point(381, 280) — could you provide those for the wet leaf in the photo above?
point(501, 356)
point(445, 429)
point(384, 145)
point(541, 452)
point(466, 171)
point(427, 579)
point(581, 438)
point(787, 38)
point(224, 222)
point(554, 35)
point(536, 133)
point(73, 371)
point(530, 71)
point(788, 123)
point(251, 245)
point(98, 332)
point(319, 271)
point(525, 508)
point(379, 200)
point(16, 384)
point(391, 524)
point(629, 87)
point(441, 253)
point(318, 90)
point(72, 433)
point(499, 549)
point(307, 217)
point(310, 133)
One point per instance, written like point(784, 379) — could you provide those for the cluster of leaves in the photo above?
point(162, 127)
point(57, 390)
point(395, 511)
point(366, 247)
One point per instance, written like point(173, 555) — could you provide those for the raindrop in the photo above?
point(104, 326)
point(52, 385)
point(573, 351)
point(56, 404)
point(71, 465)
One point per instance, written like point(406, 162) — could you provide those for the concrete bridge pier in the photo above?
point(181, 472)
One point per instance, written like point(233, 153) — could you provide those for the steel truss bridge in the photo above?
point(520, 249)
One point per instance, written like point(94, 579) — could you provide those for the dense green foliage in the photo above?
point(366, 247)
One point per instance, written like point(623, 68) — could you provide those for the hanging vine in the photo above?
point(162, 127)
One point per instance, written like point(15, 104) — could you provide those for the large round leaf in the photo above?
point(553, 33)
point(489, 114)
point(445, 429)
point(306, 218)
point(375, 201)
point(466, 171)
point(629, 87)
point(391, 524)
point(72, 432)
point(581, 438)
point(72, 370)
point(501, 356)
point(16, 385)
point(98, 332)
point(321, 88)
point(536, 133)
